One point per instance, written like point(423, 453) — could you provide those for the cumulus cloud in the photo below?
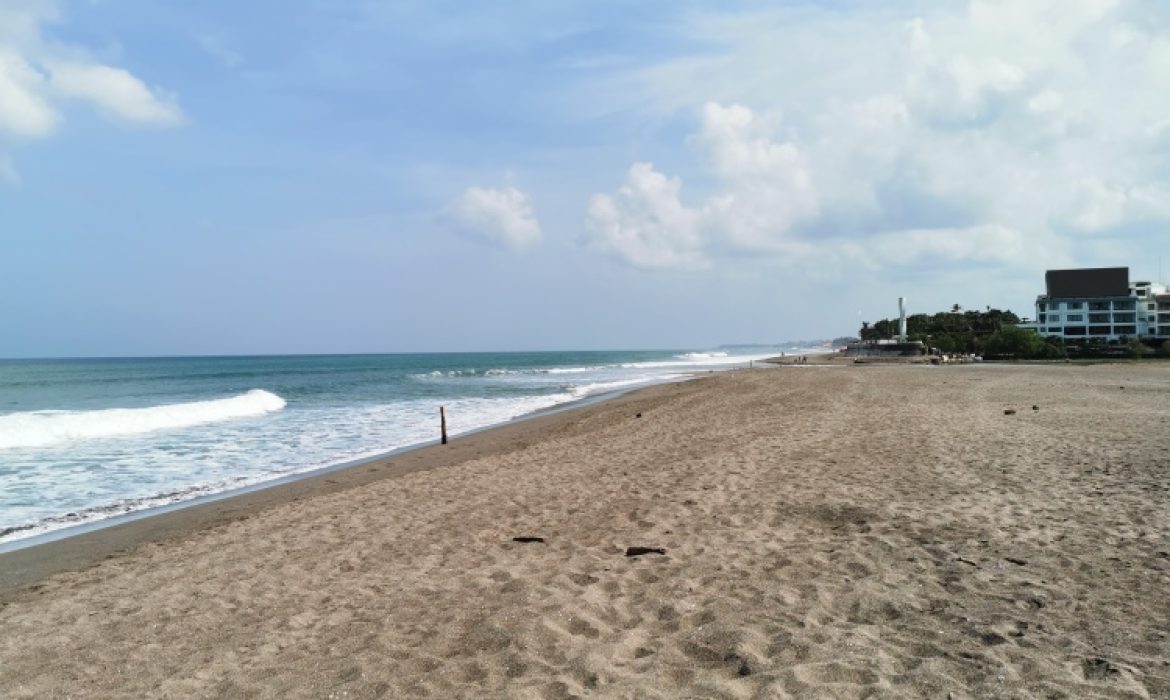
point(38, 78)
point(987, 132)
point(502, 217)
point(645, 223)
point(24, 108)
point(767, 190)
point(767, 185)
point(116, 93)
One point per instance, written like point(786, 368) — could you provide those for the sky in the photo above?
point(315, 176)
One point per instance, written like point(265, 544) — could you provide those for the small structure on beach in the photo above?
point(891, 348)
point(886, 348)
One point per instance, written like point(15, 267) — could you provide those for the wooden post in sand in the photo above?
point(443, 423)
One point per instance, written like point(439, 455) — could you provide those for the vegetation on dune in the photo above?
point(952, 331)
point(1132, 347)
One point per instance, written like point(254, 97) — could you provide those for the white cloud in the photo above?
point(503, 217)
point(766, 191)
point(38, 78)
point(995, 132)
point(116, 92)
point(1100, 206)
point(768, 187)
point(20, 20)
point(645, 223)
point(23, 109)
point(984, 243)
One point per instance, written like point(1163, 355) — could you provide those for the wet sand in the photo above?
point(835, 532)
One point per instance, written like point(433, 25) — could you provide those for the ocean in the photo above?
point(90, 439)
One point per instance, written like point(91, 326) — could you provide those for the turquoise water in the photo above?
point(84, 440)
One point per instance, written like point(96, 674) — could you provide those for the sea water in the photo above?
point(85, 440)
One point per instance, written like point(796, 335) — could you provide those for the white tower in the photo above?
point(901, 319)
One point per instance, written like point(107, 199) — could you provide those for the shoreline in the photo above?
point(82, 527)
point(257, 471)
point(26, 561)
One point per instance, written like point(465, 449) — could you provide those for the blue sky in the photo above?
point(361, 176)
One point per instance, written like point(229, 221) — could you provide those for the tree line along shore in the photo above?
point(996, 334)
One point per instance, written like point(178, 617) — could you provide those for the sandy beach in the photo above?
point(827, 532)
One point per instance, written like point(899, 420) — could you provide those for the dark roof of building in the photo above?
point(1087, 282)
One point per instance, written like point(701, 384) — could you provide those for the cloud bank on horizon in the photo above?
point(666, 155)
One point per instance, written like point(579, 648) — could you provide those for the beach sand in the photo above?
point(829, 532)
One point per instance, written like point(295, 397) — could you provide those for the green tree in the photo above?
point(886, 328)
point(1137, 348)
point(1012, 341)
point(950, 331)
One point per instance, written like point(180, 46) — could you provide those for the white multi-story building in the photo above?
point(1102, 303)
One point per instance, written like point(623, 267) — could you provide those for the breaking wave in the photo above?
point(700, 355)
point(40, 428)
point(439, 374)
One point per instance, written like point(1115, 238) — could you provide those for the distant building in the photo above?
point(1102, 303)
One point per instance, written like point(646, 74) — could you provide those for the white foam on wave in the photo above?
point(700, 355)
point(696, 359)
point(584, 390)
point(147, 470)
point(307, 440)
point(42, 428)
point(499, 372)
